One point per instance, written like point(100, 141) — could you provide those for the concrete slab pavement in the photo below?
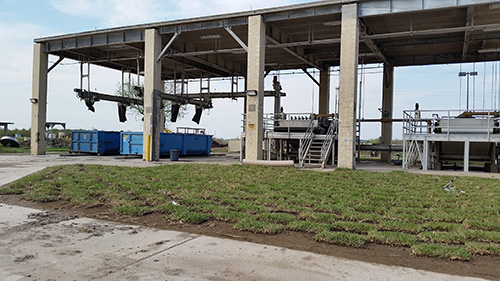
point(37, 245)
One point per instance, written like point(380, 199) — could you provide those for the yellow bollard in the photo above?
point(148, 148)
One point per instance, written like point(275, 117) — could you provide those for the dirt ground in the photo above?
point(480, 266)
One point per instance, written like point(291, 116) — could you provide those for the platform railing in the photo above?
point(450, 122)
point(328, 143)
point(190, 130)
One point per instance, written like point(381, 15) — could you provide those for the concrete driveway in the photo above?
point(38, 245)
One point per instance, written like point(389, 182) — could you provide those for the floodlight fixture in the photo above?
point(174, 112)
point(34, 100)
point(462, 74)
point(252, 92)
point(332, 23)
point(122, 112)
point(197, 114)
point(210, 36)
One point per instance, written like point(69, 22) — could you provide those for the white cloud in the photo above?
point(15, 72)
point(198, 8)
point(111, 13)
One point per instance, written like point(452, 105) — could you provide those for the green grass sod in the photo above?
point(350, 208)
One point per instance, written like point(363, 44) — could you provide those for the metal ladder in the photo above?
point(305, 143)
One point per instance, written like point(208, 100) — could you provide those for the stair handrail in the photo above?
point(306, 142)
point(327, 144)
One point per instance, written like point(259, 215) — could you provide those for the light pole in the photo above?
point(462, 74)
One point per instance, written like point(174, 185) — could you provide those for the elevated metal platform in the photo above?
point(436, 138)
point(302, 137)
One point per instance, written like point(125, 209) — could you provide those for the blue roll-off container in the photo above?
point(131, 143)
point(98, 142)
point(197, 144)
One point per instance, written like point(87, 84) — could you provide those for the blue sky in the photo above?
point(434, 87)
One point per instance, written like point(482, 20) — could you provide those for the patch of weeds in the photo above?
point(482, 249)
point(357, 227)
point(369, 209)
point(257, 226)
point(441, 237)
point(350, 215)
point(405, 217)
point(392, 238)
point(183, 213)
point(43, 192)
point(394, 225)
point(482, 225)
point(11, 191)
point(132, 210)
point(276, 217)
point(441, 251)
point(170, 208)
point(482, 236)
point(440, 226)
point(227, 215)
point(341, 238)
point(442, 216)
point(308, 226)
point(323, 217)
point(190, 216)
point(248, 207)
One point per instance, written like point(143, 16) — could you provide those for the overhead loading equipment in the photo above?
point(451, 139)
point(304, 138)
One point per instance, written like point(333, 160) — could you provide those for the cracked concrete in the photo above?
point(39, 245)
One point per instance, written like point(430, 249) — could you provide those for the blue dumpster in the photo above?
point(131, 143)
point(197, 144)
point(97, 142)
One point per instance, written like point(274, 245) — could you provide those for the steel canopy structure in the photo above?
point(304, 36)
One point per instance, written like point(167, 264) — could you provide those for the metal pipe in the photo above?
point(285, 163)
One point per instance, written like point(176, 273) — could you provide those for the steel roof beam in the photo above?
point(55, 64)
point(169, 44)
point(469, 23)
point(210, 67)
point(382, 7)
point(437, 31)
point(275, 32)
point(236, 38)
point(371, 45)
point(310, 76)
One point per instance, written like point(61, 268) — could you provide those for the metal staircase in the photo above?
point(306, 142)
point(328, 143)
point(317, 151)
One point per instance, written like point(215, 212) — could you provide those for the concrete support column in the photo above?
point(152, 84)
point(427, 157)
point(348, 86)
point(324, 91)
point(387, 109)
point(255, 88)
point(39, 95)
